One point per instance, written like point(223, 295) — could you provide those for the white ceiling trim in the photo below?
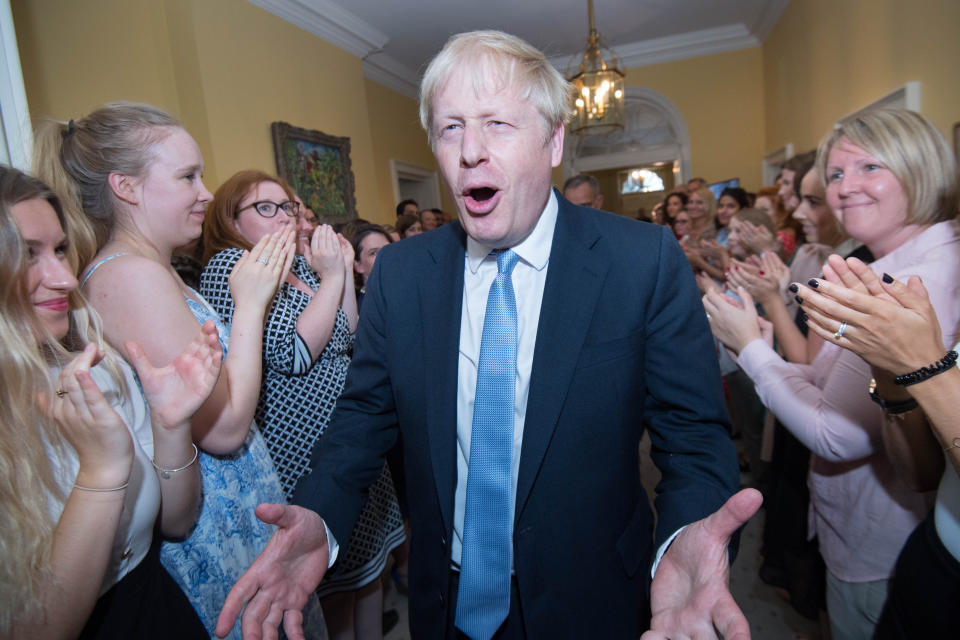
point(329, 21)
point(385, 70)
point(678, 47)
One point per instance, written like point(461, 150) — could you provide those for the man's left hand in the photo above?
point(690, 596)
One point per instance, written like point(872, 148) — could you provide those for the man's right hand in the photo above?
point(277, 585)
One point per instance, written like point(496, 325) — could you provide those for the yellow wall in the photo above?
point(397, 135)
point(227, 69)
point(825, 59)
point(721, 99)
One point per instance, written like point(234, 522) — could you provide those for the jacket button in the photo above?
point(126, 554)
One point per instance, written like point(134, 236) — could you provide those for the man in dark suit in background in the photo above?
point(558, 333)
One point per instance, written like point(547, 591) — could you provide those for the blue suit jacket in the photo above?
point(622, 344)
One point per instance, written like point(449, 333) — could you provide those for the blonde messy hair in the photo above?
point(30, 441)
point(914, 151)
point(76, 159)
point(515, 63)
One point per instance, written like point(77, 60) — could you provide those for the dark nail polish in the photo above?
point(761, 273)
point(813, 282)
point(888, 278)
point(798, 299)
point(793, 287)
point(805, 317)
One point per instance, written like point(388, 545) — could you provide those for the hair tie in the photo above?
point(70, 127)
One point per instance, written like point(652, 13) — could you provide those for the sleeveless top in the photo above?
point(228, 536)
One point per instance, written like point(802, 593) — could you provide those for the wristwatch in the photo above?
point(892, 407)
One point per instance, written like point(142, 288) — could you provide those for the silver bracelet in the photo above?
point(166, 473)
point(120, 488)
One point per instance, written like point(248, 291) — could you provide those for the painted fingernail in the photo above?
point(813, 282)
point(888, 278)
point(798, 299)
point(793, 288)
point(804, 316)
point(761, 273)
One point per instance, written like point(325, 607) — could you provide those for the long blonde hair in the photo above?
point(30, 442)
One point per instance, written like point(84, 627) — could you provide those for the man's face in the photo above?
point(584, 196)
point(490, 148)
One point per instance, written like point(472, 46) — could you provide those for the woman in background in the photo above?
point(306, 344)
point(890, 196)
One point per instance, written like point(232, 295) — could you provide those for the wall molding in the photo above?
point(329, 21)
point(338, 26)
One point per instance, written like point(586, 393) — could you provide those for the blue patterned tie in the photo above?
point(483, 598)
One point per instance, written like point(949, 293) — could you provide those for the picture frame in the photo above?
point(317, 166)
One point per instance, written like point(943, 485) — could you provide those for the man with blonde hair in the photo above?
point(559, 333)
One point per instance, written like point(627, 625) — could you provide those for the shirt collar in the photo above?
point(535, 248)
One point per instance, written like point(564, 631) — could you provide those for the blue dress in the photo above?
point(228, 535)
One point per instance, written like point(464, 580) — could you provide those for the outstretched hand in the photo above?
point(277, 585)
point(176, 391)
point(690, 596)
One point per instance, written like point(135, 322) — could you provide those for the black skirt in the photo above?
point(146, 604)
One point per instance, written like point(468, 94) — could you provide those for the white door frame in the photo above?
point(407, 171)
point(16, 132)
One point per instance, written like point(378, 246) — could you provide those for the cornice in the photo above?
point(329, 21)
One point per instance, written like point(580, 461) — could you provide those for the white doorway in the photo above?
point(411, 182)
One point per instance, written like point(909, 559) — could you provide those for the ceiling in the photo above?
point(396, 38)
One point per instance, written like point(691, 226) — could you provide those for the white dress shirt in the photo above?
point(529, 277)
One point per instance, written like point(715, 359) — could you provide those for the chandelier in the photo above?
point(598, 108)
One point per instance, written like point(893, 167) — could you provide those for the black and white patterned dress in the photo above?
point(297, 397)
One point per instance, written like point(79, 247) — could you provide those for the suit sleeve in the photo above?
point(684, 409)
point(349, 457)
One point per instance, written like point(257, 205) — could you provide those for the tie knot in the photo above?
point(506, 261)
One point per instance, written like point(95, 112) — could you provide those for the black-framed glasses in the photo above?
point(268, 208)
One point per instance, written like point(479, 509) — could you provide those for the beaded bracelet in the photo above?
point(166, 473)
point(925, 373)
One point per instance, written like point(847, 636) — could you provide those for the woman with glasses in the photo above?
point(306, 342)
point(131, 180)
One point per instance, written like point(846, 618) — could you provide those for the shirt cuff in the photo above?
point(332, 545)
point(662, 550)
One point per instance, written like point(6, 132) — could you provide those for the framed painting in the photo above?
point(317, 166)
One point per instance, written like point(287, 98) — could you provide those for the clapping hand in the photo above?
point(88, 422)
point(176, 391)
point(736, 325)
point(758, 238)
point(325, 256)
point(891, 325)
point(259, 272)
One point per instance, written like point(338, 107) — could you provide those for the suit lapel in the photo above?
point(441, 299)
point(575, 275)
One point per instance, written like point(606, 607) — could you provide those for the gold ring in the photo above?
point(61, 393)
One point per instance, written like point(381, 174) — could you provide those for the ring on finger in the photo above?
point(839, 333)
point(263, 260)
point(60, 393)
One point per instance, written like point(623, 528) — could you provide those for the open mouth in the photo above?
point(481, 200)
